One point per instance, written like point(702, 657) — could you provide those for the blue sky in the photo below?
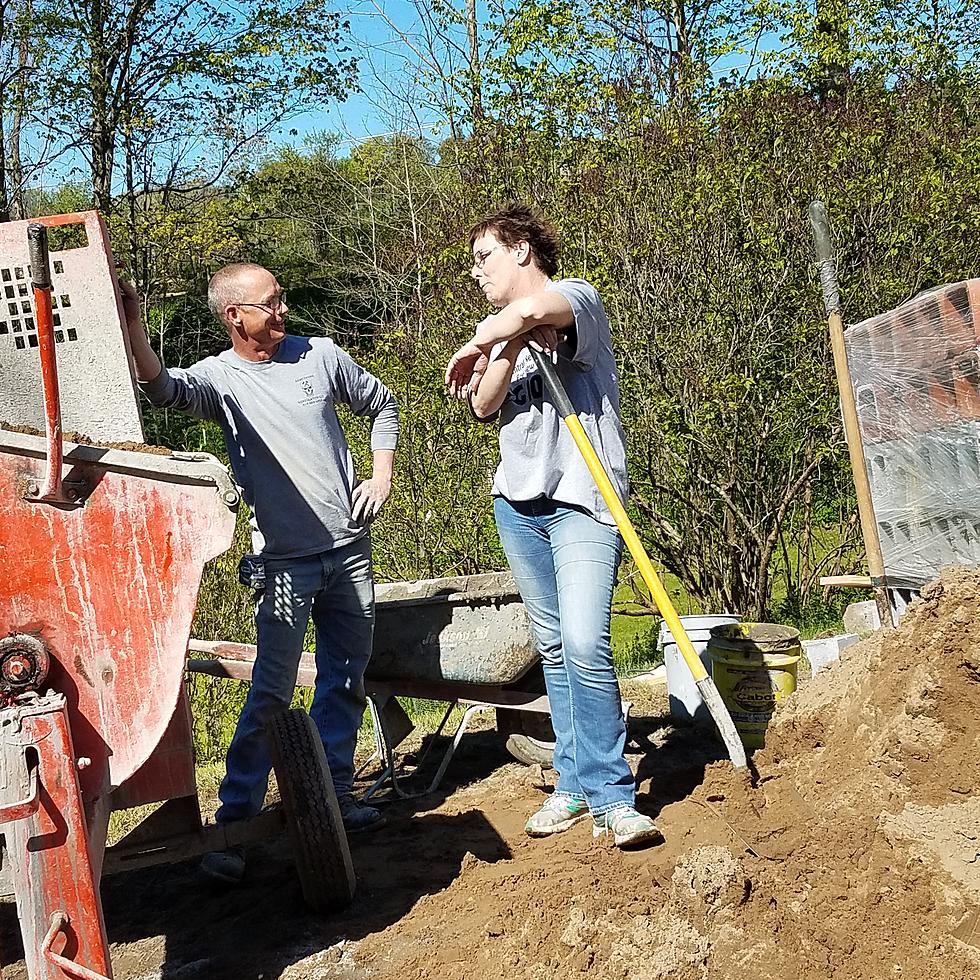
point(387, 102)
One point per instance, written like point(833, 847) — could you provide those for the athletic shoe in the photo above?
point(628, 827)
point(558, 814)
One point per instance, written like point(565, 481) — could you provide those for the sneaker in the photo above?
point(558, 814)
point(227, 866)
point(628, 827)
point(356, 816)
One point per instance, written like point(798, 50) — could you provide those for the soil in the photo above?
point(80, 439)
point(848, 852)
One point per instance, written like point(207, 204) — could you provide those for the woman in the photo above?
point(560, 539)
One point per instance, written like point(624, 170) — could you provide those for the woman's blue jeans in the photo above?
point(336, 588)
point(564, 563)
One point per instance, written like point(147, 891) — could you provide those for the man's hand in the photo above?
point(466, 369)
point(368, 497)
point(145, 361)
point(131, 305)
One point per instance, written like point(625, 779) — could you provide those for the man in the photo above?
point(558, 534)
point(274, 396)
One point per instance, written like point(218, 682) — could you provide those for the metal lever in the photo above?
point(58, 923)
point(37, 239)
point(25, 807)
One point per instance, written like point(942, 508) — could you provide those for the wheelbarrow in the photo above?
point(102, 551)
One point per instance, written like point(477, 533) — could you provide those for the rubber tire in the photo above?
point(526, 724)
point(323, 861)
point(530, 751)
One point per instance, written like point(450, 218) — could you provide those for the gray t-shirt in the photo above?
point(287, 449)
point(538, 457)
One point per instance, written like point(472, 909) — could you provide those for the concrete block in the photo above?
point(861, 617)
point(823, 652)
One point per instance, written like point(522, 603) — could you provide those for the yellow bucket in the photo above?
point(753, 666)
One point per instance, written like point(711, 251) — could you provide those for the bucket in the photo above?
point(685, 698)
point(753, 666)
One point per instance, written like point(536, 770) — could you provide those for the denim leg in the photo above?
point(343, 614)
point(281, 616)
point(586, 555)
point(529, 554)
point(565, 565)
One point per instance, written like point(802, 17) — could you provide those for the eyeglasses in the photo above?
point(274, 306)
point(480, 258)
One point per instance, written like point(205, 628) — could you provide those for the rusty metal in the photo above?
point(24, 665)
point(108, 590)
point(48, 847)
point(37, 235)
point(59, 924)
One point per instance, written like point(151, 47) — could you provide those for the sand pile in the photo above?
point(852, 853)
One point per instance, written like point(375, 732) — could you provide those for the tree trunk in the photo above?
point(476, 94)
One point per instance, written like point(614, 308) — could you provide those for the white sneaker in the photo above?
point(628, 827)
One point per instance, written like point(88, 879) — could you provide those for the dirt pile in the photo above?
point(851, 854)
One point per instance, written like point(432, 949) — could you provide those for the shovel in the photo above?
point(706, 686)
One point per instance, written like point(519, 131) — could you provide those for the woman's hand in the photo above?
point(466, 369)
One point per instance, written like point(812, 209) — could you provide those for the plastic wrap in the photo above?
point(916, 378)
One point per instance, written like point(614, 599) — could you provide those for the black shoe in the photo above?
point(227, 866)
point(356, 816)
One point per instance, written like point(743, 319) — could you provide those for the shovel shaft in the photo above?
point(827, 269)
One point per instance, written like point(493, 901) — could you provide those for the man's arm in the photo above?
point(366, 395)
point(145, 361)
point(369, 496)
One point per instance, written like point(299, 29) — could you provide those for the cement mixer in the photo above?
point(102, 549)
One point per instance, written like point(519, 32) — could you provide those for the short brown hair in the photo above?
point(225, 287)
point(515, 223)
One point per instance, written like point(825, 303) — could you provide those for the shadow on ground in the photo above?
point(174, 916)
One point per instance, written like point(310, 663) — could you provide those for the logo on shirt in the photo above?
point(309, 390)
point(526, 391)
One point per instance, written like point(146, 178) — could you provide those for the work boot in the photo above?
point(558, 813)
point(227, 866)
point(356, 816)
point(629, 827)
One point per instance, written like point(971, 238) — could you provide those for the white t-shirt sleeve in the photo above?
point(587, 310)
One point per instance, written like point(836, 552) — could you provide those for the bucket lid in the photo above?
point(699, 622)
point(760, 638)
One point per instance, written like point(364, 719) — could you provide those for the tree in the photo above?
point(181, 87)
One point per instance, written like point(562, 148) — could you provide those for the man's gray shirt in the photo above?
point(538, 457)
point(287, 449)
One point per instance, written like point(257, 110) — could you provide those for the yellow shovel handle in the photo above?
point(635, 546)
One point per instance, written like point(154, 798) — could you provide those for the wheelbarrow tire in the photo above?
point(313, 820)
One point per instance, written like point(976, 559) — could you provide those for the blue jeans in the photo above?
point(336, 588)
point(564, 563)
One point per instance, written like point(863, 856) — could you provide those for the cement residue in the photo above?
point(80, 439)
point(709, 877)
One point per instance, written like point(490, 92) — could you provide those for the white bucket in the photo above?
point(685, 698)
